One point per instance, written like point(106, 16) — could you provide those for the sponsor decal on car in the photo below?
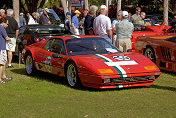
point(48, 64)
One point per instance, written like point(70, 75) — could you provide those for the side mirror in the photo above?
point(55, 55)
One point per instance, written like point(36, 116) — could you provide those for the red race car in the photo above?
point(159, 49)
point(90, 61)
point(151, 30)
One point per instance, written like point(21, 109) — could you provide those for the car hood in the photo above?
point(119, 63)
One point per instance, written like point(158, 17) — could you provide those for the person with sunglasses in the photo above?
point(136, 15)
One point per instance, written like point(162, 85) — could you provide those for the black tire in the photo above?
point(29, 65)
point(72, 75)
point(149, 53)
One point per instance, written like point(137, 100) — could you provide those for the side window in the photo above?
point(48, 45)
point(58, 46)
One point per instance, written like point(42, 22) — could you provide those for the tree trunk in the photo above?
point(69, 5)
point(165, 12)
point(86, 4)
point(64, 5)
point(16, 10)
point(119, 2)
point(107, 5)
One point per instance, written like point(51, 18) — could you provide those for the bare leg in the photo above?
point(9, 57)
point(1, 71)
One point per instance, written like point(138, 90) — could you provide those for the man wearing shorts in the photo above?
point(12, 31)
point(3, 55)
point(124, 30)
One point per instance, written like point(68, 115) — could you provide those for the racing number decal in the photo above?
point(121, 57)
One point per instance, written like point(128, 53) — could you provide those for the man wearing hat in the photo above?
point(22, 19)
point(102, 25)
point(124, 30)
point(44, 18)
point(75, 22)
point(67, 22)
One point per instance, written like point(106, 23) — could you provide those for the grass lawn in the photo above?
point(48, 96)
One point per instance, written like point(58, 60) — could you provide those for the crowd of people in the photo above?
point(117, 33)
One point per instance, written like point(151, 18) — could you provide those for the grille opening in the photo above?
point(163, 64)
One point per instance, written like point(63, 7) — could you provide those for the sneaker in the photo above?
point(7, 79)
point(2, 81)
point(10, 66)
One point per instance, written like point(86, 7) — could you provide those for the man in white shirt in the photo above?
point(102, 25)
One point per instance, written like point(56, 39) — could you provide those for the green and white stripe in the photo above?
point(74, 36)
point(117, 67)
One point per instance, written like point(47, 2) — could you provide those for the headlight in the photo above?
point(150, 67)
point(105, 71)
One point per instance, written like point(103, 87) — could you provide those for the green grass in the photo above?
point(48, 96)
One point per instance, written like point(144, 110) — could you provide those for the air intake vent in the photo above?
point(166, 53)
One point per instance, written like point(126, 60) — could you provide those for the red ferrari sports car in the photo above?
point(90, 61)
point(152, 30)
point(159, 49)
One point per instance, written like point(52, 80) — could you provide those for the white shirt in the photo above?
point(101, 24)
point(31, 21)
point(114, 23)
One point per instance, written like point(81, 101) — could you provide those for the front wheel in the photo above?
point(30, 68)
point(72, 75)
point(149, 53)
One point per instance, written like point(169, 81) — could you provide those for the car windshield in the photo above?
point(86, 46)
point(47, 30)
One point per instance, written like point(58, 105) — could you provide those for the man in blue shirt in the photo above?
point(3, 54)
point(75, 22)
point(22, 19)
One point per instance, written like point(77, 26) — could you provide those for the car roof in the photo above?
point(76, 36)
point(42, 26)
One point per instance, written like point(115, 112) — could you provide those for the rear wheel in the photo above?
point(30, 68)
point(149, 53)
point(72, 75)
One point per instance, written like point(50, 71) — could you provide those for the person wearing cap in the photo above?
point(75, 22)
point(22, 19)
point(102, 25)
point(44, 18)
point(136, 15)
point(89, 19)
point(124, 30)
point(67, 22)
point(2, 13)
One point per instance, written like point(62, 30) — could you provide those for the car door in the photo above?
point(43, 57)
point(60, 57)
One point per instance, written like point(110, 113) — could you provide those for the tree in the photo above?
point(16, 9)
point(119, 5)
point(165, 12)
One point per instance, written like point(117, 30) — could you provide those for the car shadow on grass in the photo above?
point(169, 72)
point(61, 80)
point(163, 87)
point(42, 76)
